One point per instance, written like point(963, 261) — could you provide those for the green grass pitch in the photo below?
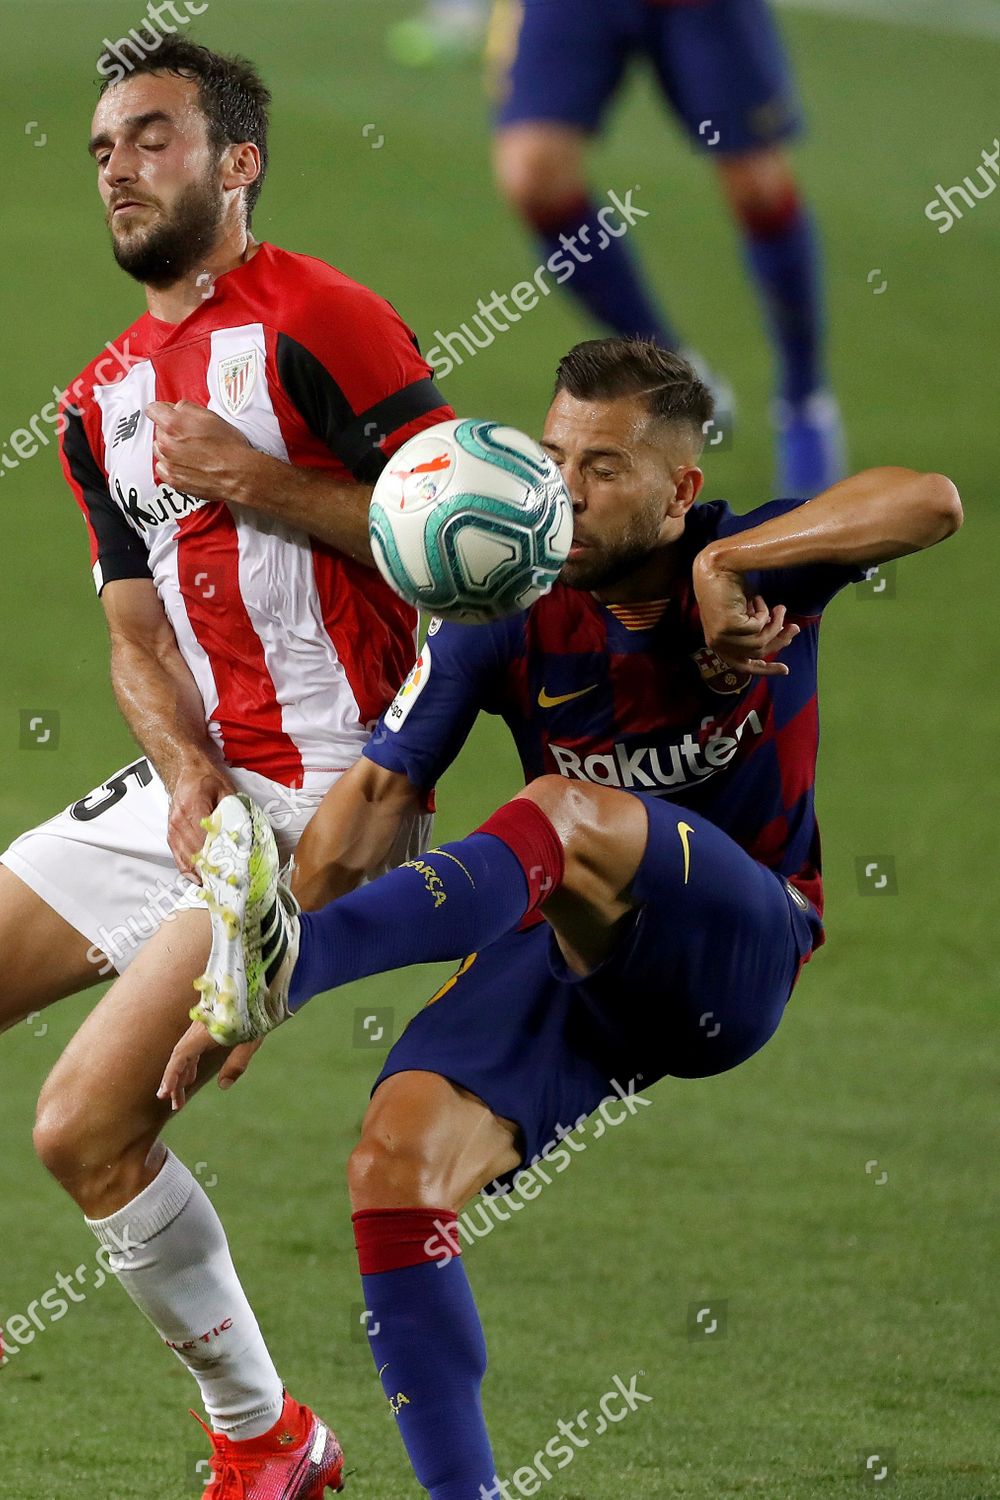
point(861, 1305)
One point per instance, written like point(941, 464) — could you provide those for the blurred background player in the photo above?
point(722, 67)
point(222, 453)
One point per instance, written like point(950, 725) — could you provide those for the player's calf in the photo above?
point(98, 1116)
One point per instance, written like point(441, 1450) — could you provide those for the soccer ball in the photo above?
point(471, 521)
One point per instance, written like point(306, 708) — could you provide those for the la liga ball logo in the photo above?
point(424, 481)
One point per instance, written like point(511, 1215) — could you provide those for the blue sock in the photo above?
point(782, 251)
point(449, 902)
point(610, 284)
point(430, 1353)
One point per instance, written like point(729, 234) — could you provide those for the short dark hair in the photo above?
point(233, 97)
point(604, 369)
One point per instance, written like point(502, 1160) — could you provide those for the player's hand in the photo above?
point(196, 793)
point(196, 451)
point(181, 1073)
point(743, 631)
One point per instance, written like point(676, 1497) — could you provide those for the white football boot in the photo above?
point(255, 926)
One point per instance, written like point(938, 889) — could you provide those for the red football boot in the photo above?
point(298, 1459)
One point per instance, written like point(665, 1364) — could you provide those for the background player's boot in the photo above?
point(811, 453)
point(298, 1459)
point(255, 929)
point(446, 29)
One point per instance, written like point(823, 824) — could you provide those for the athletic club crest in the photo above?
point(718, 674)
point(237, 378)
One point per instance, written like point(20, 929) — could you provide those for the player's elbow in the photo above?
point(943, 506)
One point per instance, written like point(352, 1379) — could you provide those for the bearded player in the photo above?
point(222, 453)
point(666, 835)
point(723, 73)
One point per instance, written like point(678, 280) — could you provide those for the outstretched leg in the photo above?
point(607, 869)
point(625, 883)
point(572, 848)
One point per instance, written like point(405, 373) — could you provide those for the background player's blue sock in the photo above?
point(449, 902)
point(610, 285)
point(782, 250)
point(428, 1345)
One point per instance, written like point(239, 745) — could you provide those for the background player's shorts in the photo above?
point(717, 61)
point(105, 866)
point(696, 985)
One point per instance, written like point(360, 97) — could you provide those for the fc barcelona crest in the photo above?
point(718, 674)
point(237, 378)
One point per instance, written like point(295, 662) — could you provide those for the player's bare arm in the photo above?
point(868, 519)
point(163, 708)
point(351, 832)
point(200, 453)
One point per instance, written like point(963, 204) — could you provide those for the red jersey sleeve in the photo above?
point(354, 372)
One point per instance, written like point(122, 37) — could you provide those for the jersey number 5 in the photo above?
point(116, 788)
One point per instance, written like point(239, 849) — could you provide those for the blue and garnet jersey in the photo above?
point(630, 696)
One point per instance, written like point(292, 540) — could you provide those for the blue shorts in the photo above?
point(721, 64)
point(697, 984)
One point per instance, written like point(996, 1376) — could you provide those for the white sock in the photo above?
point(169, 1251)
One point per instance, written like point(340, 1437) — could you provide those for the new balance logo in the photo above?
point(127, 428)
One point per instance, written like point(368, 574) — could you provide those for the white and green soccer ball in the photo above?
point(470, 520)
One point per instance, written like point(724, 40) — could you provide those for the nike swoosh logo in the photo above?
point(544, 701)
point(684, 829)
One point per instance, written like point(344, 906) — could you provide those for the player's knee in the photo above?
point(84, 1149)
point(538, 172)
point(759, 182)
point(576, 809)
point(760, 188)
point(389, 1168)
point(603, 833)
point(59, 1135)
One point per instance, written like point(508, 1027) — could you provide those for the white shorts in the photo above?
point(104, 863)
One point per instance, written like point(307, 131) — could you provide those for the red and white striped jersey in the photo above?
point(295, 648)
